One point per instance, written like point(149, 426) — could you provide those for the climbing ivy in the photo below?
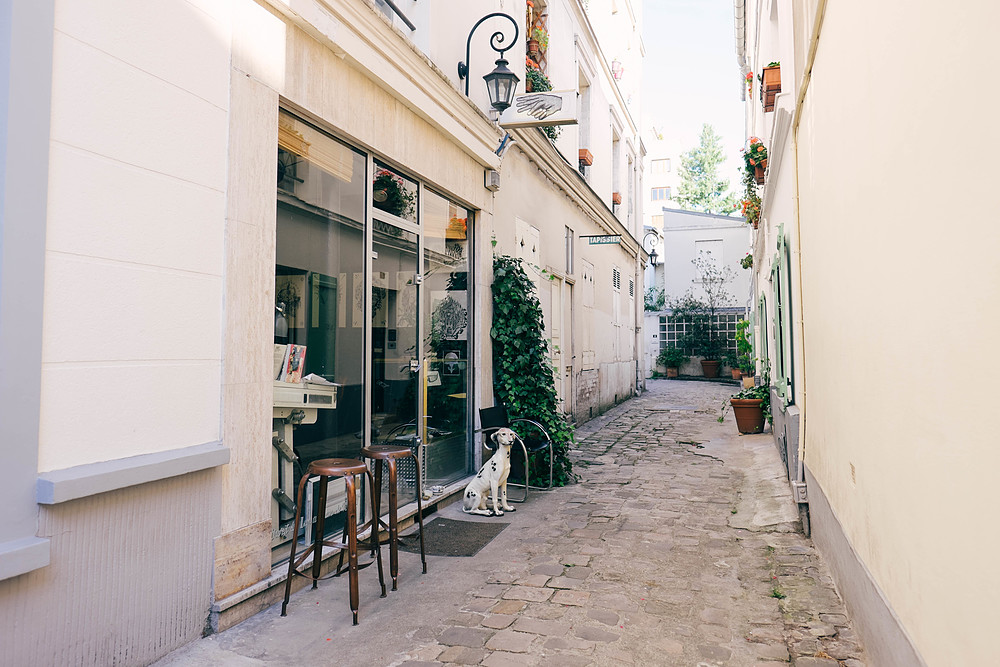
point(522, 374)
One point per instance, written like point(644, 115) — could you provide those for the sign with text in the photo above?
point(604, 239)
point(552, 107)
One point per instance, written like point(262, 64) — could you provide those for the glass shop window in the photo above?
point(394, 193)
point(448, 301)
point(319, 318)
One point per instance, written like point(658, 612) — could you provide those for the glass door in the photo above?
point(394, 347)
point(445, 304)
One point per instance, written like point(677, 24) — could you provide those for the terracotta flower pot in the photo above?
point(586, 157)
point(528, 86)
point(671, 372)
point(533, 48)
point(758, 173)
point(710, 369)
point(736, 373)
point(770, 87)
point(749, 414)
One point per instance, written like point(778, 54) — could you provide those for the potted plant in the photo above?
point(672, 358)
point(540, 36)
point(751, 407)
point(535, 81)
point(770, 85)
point(744, 353)
point(755, 159)
point(732, 360)
point(391, 195)
point(747, 262)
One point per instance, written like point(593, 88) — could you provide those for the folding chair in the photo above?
point(534, 439)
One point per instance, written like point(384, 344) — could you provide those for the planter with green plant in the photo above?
point(536, 82)
point(770, 85)
point(755, 159)
point(752, 407)
point(703, 333)
point(732, 361)
point(672, 358)
point(744, 353)
point(747, 262)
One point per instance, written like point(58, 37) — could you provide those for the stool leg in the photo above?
point(377, 504)
point(393, 527)
point(420, 511)
point(295, 540)
point(378, 547)
point(318, 530)
point(351, 530)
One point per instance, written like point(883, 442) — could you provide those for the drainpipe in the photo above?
point(739, 16)
point(806, 78)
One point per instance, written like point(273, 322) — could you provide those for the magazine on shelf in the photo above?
point(279, 360)
point(293, 363)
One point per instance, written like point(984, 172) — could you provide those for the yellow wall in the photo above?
point(897, 153)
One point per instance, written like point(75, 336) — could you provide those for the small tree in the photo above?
point(701, 188)
point(654, 299)
point(702, 335)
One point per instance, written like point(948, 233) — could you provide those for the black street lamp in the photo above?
point(501, 82)
point(652, 246)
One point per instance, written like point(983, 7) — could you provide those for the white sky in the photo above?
point(690, 76)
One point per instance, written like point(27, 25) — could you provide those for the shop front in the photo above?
point(373, 314)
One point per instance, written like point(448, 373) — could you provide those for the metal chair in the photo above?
point(533, 440)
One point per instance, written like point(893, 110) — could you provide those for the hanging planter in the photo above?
point(770, 85)
point(758, 172)
point(586, 158)
point(616, 198)
point(533, 49)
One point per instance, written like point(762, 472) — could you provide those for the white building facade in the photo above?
point(894, 471)
point(190, 192)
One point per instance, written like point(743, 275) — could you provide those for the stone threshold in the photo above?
point(240, 606)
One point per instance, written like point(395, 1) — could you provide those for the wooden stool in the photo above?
point(325, 469)
point(390, 454)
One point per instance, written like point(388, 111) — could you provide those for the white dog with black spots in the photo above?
point(492, 478)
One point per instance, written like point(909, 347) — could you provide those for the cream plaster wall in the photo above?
point(901, 285)
point(132, 337)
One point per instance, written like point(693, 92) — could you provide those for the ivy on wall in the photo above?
point(522, 374)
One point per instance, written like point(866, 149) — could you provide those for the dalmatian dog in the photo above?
point(492, 478)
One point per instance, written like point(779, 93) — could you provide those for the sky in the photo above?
point(690, 76)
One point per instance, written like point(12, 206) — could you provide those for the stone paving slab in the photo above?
point(679, 546)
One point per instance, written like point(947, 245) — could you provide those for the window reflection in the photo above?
point(394, 193)
point(446, 349)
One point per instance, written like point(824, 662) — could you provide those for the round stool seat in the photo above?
point(337, 467)
point(385, 452)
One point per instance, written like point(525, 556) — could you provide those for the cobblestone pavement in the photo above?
point(677, 547)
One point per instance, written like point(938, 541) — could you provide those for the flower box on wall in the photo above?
point(758, 172)
point(770, 85)
point(586, 158)
point(616, 198)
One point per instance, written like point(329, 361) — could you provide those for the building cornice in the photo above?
point(359, 33)
point(540, 152)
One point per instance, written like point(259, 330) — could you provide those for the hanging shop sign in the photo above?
point(552, 107)
point(603, 239)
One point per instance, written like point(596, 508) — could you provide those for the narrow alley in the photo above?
point(679, 546)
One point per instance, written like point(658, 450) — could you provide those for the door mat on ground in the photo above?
point(447, 537)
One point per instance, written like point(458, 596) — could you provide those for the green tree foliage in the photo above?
point(522, 374)
point(701, 188)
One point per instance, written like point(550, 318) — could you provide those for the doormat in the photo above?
point(447, 537)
